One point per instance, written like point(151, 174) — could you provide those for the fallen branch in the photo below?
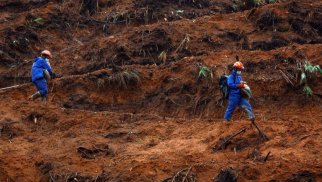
point(286, 78)
point(29, 84)
point(15, 86)
point(228, 139)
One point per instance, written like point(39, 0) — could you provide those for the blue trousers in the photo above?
point(41, 85)
point(235, 101)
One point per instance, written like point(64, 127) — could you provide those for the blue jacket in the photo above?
point(233, 81)
point(38, 67)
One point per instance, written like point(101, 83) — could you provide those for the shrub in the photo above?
point(204, 72)
point(308, 70)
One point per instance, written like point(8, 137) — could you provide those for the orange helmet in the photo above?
point(238, 65)
point(47, 53)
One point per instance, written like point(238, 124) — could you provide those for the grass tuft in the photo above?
point(120, 80)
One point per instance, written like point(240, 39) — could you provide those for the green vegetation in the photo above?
point(312, 68)
point(308, 70)
point(34, 23)
point(121, 80)
point(257, 2)
point(39, 21)
point(205, 72)
point(163, 56)
point(307, 90)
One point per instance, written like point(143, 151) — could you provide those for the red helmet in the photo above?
point(47, 53)
point(238, 65)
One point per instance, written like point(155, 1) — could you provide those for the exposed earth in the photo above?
point(129, 104)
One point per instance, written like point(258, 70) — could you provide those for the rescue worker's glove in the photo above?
point(241, 85)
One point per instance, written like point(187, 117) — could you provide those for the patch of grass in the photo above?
point(120, 80)
point(34, 23)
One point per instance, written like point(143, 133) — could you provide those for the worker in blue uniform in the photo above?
point(235, 83)
point(41, 73)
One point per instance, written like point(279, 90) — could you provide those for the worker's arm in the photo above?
point(232, 84)
point(45, 65)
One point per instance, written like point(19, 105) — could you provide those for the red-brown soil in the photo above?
point(95, 129)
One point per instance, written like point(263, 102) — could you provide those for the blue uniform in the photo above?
point(37, 75)
point(235, 97)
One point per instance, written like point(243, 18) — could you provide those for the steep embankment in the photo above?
point(130, 106)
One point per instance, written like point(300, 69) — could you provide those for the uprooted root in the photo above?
point(185, 175)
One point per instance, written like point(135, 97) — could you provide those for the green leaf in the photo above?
point(38, 20)
point(303, 77)
point(205, 72)
point(319, 69)
point(307, 90)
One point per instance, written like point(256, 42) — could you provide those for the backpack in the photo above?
point(223, 85)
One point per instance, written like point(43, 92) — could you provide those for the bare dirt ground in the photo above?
point(163, 123)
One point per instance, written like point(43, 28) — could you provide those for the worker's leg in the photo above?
point(41, 85)
point(233, 103)
point(244, 105)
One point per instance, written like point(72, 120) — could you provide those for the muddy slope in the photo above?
point(130, 106)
